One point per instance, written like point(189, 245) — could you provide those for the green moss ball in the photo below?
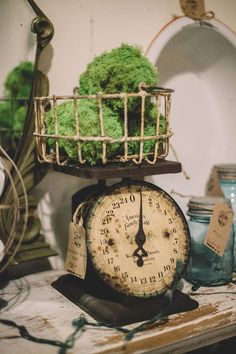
point(88, 125)
point(149, 130)
point(117, 71)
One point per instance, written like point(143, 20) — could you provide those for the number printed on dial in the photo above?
point(136, 234)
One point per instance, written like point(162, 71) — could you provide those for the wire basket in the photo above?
point(49, 145)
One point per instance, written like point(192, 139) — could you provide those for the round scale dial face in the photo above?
point(136, 236)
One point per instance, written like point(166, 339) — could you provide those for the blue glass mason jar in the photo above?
point(205, 267)
point(227, 178)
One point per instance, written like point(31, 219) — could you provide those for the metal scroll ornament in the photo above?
point(27, 165)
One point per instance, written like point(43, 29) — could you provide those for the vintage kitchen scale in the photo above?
point(135, 235)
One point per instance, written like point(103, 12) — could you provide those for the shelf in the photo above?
point(34, 303)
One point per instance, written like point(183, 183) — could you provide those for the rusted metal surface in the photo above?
point(33, 302)
point(161, 100)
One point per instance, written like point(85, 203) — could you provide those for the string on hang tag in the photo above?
point(180, 194)
point(177, 159)
point(76, 260)
point(195, 9)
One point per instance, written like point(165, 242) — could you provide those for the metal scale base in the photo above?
point(107, 307)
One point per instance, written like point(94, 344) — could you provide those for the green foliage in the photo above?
point(89, 126)
point(19, 119)
point(120, 70)
point(18, 81)
point(13, 111)
point(5, 115)
point(5, 123)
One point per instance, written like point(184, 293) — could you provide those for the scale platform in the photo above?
point(121, 170)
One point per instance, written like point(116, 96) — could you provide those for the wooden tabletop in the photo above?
point(35, 304)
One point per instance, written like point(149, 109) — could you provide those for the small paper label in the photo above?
point(213, 184)
point(76, 260)
point(219, 228)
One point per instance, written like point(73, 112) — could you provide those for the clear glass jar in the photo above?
point(205, 267)
point(227, 178)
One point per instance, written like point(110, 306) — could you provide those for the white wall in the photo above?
point(83, 29)
point(17, 41)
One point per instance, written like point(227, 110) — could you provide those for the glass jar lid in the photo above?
point(204, 206)
point(226, 170)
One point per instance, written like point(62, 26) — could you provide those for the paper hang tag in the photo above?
point(213, 185)
point(76, 260)
point(219, 229)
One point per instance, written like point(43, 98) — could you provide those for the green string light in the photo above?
point(80, 323)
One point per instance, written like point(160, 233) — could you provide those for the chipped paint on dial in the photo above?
point(111, 228)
